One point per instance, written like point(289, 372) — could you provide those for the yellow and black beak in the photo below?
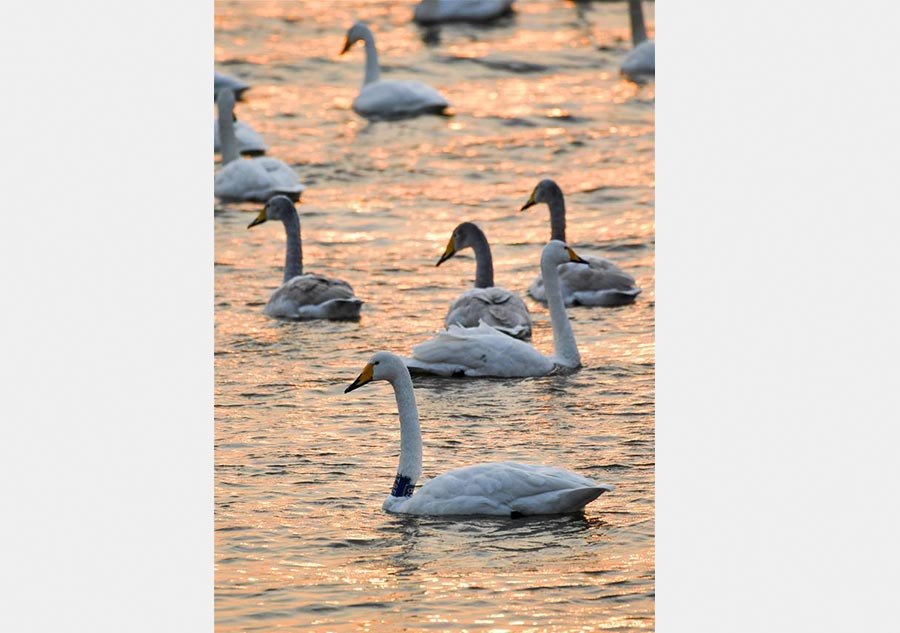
point(531, 202)
point(347, 45)
point(573, 256)
point(259, 219)
point(363, 378)
point(449, 252)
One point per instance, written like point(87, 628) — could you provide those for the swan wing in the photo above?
point(256, 179)
point(477, 351)
point(248, 140)
point(641, 60)
point(428, 12)
point(313, 296)
point(497, 307)
point(398, 98)
point(600, 283)
point(505, 488)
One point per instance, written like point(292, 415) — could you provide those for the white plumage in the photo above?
point(497, 489)
point(640, 62)
point(249, 141)
point(222, 81)
point(389, 99)
point(436, 11)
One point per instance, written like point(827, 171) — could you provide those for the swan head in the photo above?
point(545, 191)
point(355, 33)
point(277, 208)
point(382, 366)
point(556, 253)
point(464, 235)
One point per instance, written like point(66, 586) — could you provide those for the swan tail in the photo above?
point(560, 501)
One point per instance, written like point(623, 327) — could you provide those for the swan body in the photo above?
point(495, 489)
point(485, 351)
point(222, 81)
point(487, 303)
point(600, 283)
point(248, 179)
point(640, 62)
point(249, 141)
point(304, 296)
point(436, 11)
point(389, 99)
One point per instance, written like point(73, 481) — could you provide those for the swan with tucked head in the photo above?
point(640, 62)
point(304, 296)
point(484, 351)
point(497, 488)
point(437, 11)
point(601, 283)
point(248, 179)
point(497, 307)
point(389, 99)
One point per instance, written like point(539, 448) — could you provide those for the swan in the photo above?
point(602, 283)
point(497, 307)
point(435, 11)
point(497, 489)
point(249, 142)
point(300, 296)
point(222, 81)
point(385, 99)
point(485, 351)
point(253, 179)
point(640, 60)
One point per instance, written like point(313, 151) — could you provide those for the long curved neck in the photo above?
point(564, 346)
point(409, 469)
point(484, 263)
point(636, 13)
point(373, 73)
point(293, 260)
point(557, 206)
point(227, 138)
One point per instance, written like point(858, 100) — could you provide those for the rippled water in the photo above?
point(301, 468)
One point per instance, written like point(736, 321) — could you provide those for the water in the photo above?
point(301, 468)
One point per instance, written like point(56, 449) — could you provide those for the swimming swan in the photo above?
point(497, 307)
point(497, 489)
point(248, 179)
point(602, 283)
point(640, 60)
point(385, 99)
point(435, 11)
point(308, 296)
point(249, 142)
point(484, 351)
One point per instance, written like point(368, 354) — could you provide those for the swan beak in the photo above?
point(573, 256)
point(347, 45)
point(363, 378)
point(449, 252)
point(259, 219)
point(531, 202)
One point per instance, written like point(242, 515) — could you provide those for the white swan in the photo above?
point(640, 61)
point(249, 142)
point(497, 307)
point(601, 283)
point(435, 11)
point(308, 296)
point(222, 81)
point(498, 489)
point(484, 351)
point(386, 99)
point(248, 179)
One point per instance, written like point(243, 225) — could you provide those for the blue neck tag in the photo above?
point(403, 487)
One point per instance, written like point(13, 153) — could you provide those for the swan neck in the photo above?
point(293, 261)
point(373, 73)
point(564, 346)
point(409, 468)
point(636, 13)
point(227, 137)
point(557, 206)
point(484, 262)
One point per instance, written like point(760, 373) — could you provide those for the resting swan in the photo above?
point(222, 81)
point(435, 11)
point(602, 283)
point(497, 489)
point(308, 296)
point(497, 307)
point(248, 179)
point(484, 351)
point(385, 99)
point(640, 60)
point(249, 142)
